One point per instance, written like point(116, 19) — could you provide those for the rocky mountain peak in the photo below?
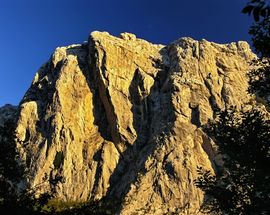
point(120, 118)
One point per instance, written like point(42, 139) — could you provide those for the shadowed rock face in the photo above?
point(7, 113)
point(121, 118)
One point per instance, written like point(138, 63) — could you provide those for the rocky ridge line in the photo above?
point(120, 118)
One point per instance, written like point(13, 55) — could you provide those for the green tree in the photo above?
point(243, 186)
point(10, 170)
point(260, 30)
point(260, 35)
point(259, 80)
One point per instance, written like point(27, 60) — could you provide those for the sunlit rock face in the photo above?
point(121, 118)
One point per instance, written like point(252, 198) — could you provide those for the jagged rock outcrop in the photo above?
point(7, 113)
point(121, 118)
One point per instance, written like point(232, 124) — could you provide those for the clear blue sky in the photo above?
point(30, 30)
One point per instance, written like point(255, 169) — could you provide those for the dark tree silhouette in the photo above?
point(243, 186)
point(260, 30)
point(259, 80)
point(10, 170)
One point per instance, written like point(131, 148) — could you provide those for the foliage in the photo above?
point(10, 169)
point(100, 207)
point(243, 187)
point(258, 8)
point(259, 79)
point(260, 33)
point(260, 30)
point(11, 172)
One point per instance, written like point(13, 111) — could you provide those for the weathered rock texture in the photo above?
point(7, 113)
point(121, 118)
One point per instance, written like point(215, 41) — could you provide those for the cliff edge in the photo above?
point(120, 118)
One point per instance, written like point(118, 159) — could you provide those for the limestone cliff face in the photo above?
point(121, 118)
